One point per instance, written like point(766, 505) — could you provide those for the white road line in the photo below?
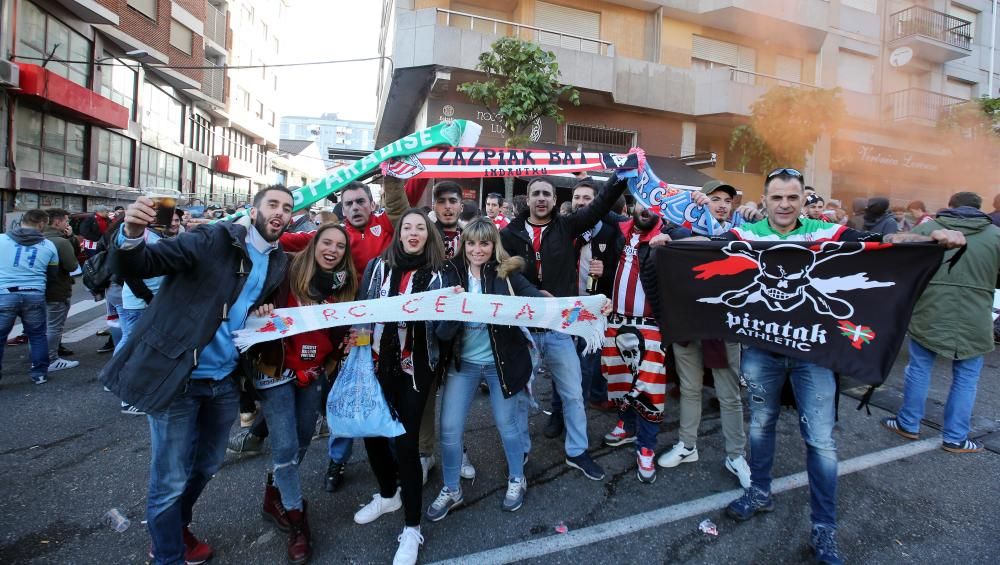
point(666, 515)
point(81, 306)
point(83, 332)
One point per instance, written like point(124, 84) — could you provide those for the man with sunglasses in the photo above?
point(815, 386)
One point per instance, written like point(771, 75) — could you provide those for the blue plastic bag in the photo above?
point(356, 406)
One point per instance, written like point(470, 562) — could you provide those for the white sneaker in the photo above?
point(677, 455)
point(378, 506)
point(739, 468)
point(427, 463)
point(59, 364)
point(409, 546)
point(468, 472)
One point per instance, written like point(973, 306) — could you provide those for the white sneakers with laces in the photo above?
point(409, 546)
point(468, 471)
point(59, 364)
point(740, 468)
point(677, 455)
point(378, 506)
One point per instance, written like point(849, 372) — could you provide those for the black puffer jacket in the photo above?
point(509, 343)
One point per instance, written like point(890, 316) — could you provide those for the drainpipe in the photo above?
point(993, 48)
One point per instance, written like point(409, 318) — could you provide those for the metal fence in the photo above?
point(918, 20)
point(919, 104)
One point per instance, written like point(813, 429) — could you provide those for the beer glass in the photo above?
point(164, 202)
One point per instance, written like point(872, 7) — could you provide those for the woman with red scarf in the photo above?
point(289, 375)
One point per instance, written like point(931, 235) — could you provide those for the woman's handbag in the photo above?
point(356, 406)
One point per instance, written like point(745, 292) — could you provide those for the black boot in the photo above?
point(334, 476)
point(554, 427)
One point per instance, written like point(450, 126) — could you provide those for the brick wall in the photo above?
point(156, 33)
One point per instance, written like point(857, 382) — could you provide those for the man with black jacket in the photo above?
point(545, 241)
point(179, 364)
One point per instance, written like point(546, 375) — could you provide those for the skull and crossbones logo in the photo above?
point(631, 346)
point(784, 279)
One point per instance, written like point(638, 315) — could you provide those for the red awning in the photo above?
point(71, 97)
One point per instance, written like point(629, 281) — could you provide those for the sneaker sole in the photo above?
point(585, 473)
point(644, 480)
point(962, 449)
point(387, 511)
point(443, 516)
point(732, 470)
point(469, 476)
point(900, 432)
point(687, 459)
point(133, 413)
point(619, 441)
point(514, 508)
point(740, 518)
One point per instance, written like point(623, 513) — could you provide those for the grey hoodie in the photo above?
point(26, 236)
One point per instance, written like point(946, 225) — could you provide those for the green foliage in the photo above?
point(976, 118)
point(521, 86)
point(785, 124)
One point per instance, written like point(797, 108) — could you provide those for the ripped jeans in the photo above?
point(291, 413)
point(815, 391)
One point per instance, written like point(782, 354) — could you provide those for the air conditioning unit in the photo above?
point(9, 74)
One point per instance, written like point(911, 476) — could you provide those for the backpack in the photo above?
point(97, 273)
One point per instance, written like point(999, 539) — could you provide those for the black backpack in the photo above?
point(97, 274)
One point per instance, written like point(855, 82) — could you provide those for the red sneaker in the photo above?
point(195, 550)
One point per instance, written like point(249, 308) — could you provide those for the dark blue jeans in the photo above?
point(188, 446)
point(595, 386)
point(644, 430)
point(31, 308)
point(291, 419)
point(815, 393)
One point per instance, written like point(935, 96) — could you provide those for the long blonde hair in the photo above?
point(483, 229)
point(304, 269)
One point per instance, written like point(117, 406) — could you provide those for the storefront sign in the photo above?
point(543, 130)
point(850, 154)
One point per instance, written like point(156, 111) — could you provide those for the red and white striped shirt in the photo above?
point(501, 221)
point(628, 297)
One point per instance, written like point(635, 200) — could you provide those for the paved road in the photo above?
point(68, 455)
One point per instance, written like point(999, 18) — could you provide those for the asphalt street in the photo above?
point(68, 455)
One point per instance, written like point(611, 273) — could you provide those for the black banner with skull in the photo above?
point(842, 305)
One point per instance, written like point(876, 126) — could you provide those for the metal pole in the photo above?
point(993, 49)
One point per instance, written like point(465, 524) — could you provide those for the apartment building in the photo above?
point(677, 76)
point(104, 97)
point(331, 133)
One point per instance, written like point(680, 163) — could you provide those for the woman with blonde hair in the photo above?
point(289, 374)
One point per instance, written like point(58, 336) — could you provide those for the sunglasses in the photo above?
point(785, 171)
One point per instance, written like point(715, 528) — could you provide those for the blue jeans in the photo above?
point(592, 382)
point(459, 390)
point(113, 304)
point(30, 306)
point(644, 430)
point(291, 413)
point(560, 361)
point(961, 397)
point(815, 393)
point(127, 319)
point(188, 446)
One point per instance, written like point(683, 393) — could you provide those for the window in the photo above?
point(855, 72)
point(114, 158)
point(259, 110)
point(201, 134)
point(788, 68)
point(50, 145)
point(161, 113)
point(158, 169)
point(595, 138)
point(118, 81)
point(39, 35)
point(733, 160)
point(707, 53)
point(958, 88)
point(181, 37)
point(568, 20)
point(144, 7)
point(870, 6)
point(202, 180)
point(967, 15)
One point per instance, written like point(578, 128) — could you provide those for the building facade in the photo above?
point(106, 97)
point(677, 76)
point(330, 133)
point(297, 163)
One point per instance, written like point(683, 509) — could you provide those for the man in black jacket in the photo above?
point(179, 365)
point(545, 241)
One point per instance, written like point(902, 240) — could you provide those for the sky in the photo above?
point(324, 30)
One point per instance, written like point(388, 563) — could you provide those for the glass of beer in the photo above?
point(164, 202)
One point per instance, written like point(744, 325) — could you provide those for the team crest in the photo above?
point(405, 167)
point(376, 230)
point(576, 314)
point(277, 324)
point(602, 246)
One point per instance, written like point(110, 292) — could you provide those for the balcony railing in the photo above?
point(919, 104)
point(213, 81)
point(766, 81)
point(483, 24)
point(918, 20)
point(215, 24)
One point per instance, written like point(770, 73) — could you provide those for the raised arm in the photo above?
point(394, 197)
point(588, 216)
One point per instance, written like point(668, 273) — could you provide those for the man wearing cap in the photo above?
point(723, 360)
point(813, 207)
point(93, 228)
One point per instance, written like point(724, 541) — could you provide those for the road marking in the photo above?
point(74, 309)
point(666, 515)
point(87, 330)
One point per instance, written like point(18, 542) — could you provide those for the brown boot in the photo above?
point(273, 511)
point(299, 548)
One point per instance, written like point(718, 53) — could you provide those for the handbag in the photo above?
point(356, 406)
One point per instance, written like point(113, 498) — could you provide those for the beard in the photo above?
point(644, 222)
point(263, 228)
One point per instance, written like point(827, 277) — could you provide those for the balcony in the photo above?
point(918, 106)
point(215, 31)
point(544, 37)
point(213, 82)
point(933, 36)
point(802, 23)
point(731, 91)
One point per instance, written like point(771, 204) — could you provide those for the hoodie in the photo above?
point(878, 218)
point(953, 316)
point(31, 258)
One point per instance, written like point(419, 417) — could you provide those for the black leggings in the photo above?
point(405, 466)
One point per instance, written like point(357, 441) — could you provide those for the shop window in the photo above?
point(158, 169)
point(48, 144)
point(114, 158)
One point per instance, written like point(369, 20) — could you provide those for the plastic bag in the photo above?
point(356, 406)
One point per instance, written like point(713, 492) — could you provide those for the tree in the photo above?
point(521, 86)
point(979, 118)
point(785, 124)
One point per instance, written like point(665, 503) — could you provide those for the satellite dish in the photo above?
point(900, 56)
